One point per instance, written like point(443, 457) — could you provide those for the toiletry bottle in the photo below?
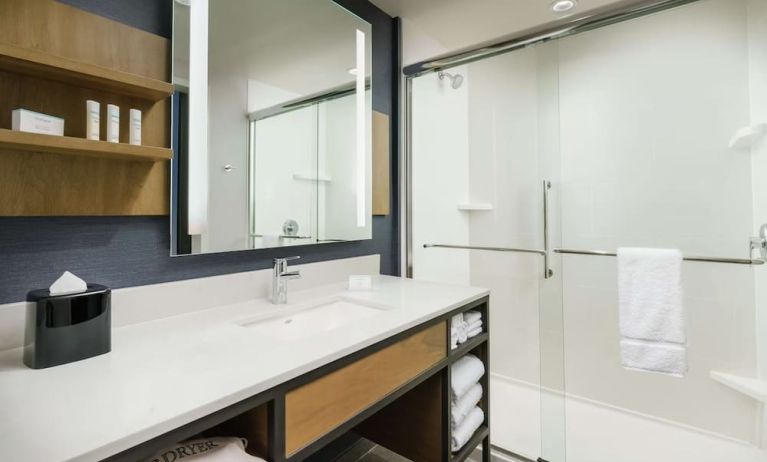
point(113, 123)
point(135, 127)
point(92, 119)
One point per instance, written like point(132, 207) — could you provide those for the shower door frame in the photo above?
point(600, 17)
point(622, 11)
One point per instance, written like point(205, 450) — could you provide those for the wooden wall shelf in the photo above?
point(22, 141)
point(45, 65)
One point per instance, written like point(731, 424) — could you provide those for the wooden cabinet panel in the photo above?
point(314, 409)
point(381, 164)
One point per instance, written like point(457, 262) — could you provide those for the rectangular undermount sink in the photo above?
point(298, 322)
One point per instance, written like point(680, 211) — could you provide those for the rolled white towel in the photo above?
point(465, 431)
point(465, 404)
point(207, 450)
point(453, 339)
point(472, 316)
point(464, 373)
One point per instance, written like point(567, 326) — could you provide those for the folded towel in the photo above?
point(465, 431)
point(461, 408)
point(473, 325)
point(453, 339)
point(458, 326)
point(472, 316)
point(207, 450)
point(464, 373)
point(651, 312)
point(474, 332)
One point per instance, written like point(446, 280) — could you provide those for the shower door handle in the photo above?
point(547, 271)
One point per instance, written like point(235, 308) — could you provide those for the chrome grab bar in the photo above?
point(493, 249)
point(597, 253)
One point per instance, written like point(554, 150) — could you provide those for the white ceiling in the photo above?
point(434, 27)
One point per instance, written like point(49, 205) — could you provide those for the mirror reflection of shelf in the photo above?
point(475, 206)
point(749, 386)
point(310, 177)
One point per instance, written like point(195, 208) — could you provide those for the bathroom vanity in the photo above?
point(290, 378)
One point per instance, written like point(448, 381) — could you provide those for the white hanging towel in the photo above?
point(652, 320)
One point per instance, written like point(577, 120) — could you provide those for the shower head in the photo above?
point(455, 80)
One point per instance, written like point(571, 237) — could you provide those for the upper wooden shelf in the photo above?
point(22, 141)
point(45, 65)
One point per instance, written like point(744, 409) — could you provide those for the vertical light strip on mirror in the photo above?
point(361, 131)
point(198, 120)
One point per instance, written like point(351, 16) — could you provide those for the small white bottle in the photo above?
point(135, 127)
point(92, 120)
point(113, 123)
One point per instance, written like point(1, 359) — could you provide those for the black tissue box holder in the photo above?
point(62, 329)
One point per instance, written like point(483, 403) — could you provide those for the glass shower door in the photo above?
point(484, 139)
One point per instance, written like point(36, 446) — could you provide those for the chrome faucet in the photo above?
point(280, 278)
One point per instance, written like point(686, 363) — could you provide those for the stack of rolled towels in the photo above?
point(465, 326)
point(465, 414)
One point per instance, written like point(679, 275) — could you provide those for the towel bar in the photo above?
point(602, 253)
point(597, 253)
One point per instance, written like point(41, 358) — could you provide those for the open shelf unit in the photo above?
point(479, 346)
point(23, 141)
point(41, 64)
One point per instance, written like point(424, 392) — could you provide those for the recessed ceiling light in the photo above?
point(562, 6)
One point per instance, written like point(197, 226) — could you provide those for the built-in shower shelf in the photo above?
point(746, 137)
point(749, 386)
point(310, 177)
point(475, 206)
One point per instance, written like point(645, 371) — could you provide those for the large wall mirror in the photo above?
point(272, 125)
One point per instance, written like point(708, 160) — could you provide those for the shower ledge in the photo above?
point(749, 386)
point(471, 206)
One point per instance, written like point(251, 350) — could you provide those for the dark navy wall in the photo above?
point(129, 251)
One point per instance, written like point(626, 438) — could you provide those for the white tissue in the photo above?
point(67, 284)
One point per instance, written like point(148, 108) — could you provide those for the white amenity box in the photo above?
point(35, 122)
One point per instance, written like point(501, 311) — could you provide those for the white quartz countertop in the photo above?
point(164, 373)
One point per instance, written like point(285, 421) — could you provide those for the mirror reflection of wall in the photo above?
point(285, 107)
